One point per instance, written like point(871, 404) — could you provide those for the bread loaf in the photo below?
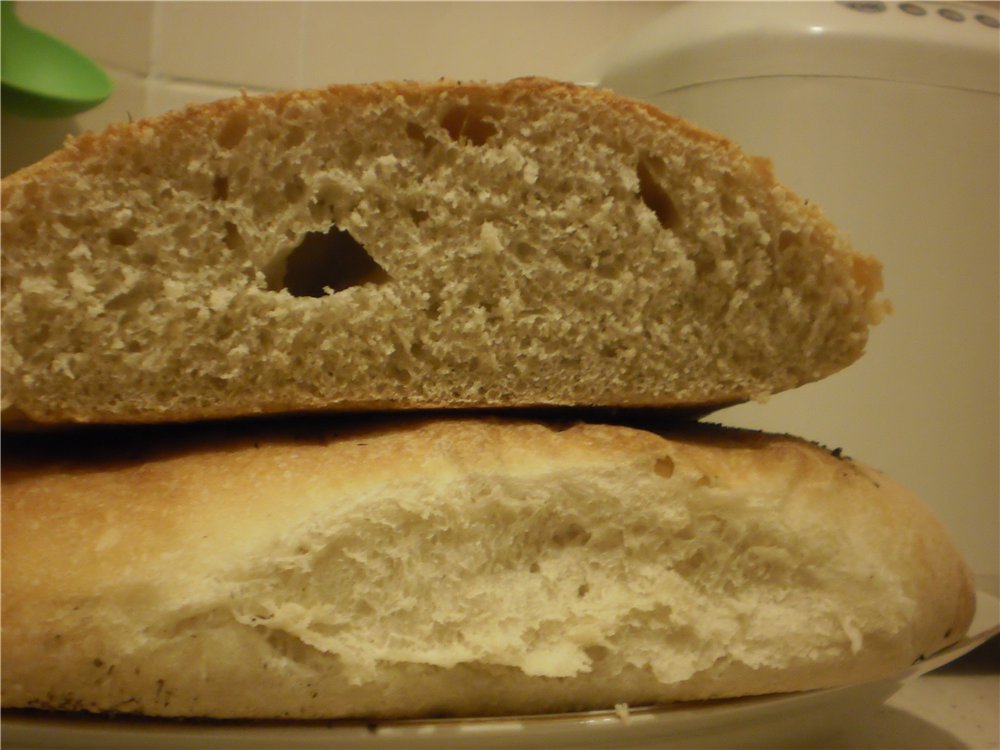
point(457, 567)
point(415, 245)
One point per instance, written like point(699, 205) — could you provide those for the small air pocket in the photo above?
point(472, 123)
point(653, 195)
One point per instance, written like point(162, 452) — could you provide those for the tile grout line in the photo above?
point(156, 77)
point(300, 62)
point(220, 85)
point(154, 53)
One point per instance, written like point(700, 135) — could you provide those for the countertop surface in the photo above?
point(956, 706)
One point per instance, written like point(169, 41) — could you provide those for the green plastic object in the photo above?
point(42, 77)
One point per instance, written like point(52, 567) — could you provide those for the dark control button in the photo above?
point(951, 14)
point(871, 7)
point(913, 9)
point(990, 21)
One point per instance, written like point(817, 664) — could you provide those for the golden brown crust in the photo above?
point(201, 117)
point(120, 558)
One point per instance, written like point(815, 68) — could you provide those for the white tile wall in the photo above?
point(235, 43)
point(168, 53)
point(127, 101)
point(350, 42)
point(115, 33)
point(164, 95)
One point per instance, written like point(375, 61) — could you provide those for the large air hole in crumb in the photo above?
point(122, 236)
point(232, 237)
point(294, 189)
point(705, 263)
point(570, 534)
point(416, 133)
point(730, 205)
point(691, 564)
point(233, 130)
point(524, 252)
point(294, 136)
point(220, 188)
point(655, 197)
point(324, 260)
point(399, 373)
point(470, 123)
point(570, 258)
point(608, 268)
point(788, 239)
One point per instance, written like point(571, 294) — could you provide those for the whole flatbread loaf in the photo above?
point(410, 245)
point(457, 567)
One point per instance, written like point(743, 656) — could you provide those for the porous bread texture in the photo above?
point(528, 243)
point(460, 567)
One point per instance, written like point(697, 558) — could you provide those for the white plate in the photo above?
point(776, 721)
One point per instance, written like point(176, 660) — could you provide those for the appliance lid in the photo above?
point(933, 43)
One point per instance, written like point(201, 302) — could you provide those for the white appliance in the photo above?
point(886, 115)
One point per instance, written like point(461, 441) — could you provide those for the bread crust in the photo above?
point(456, 567)
point(149, 360)
point(79, 150)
